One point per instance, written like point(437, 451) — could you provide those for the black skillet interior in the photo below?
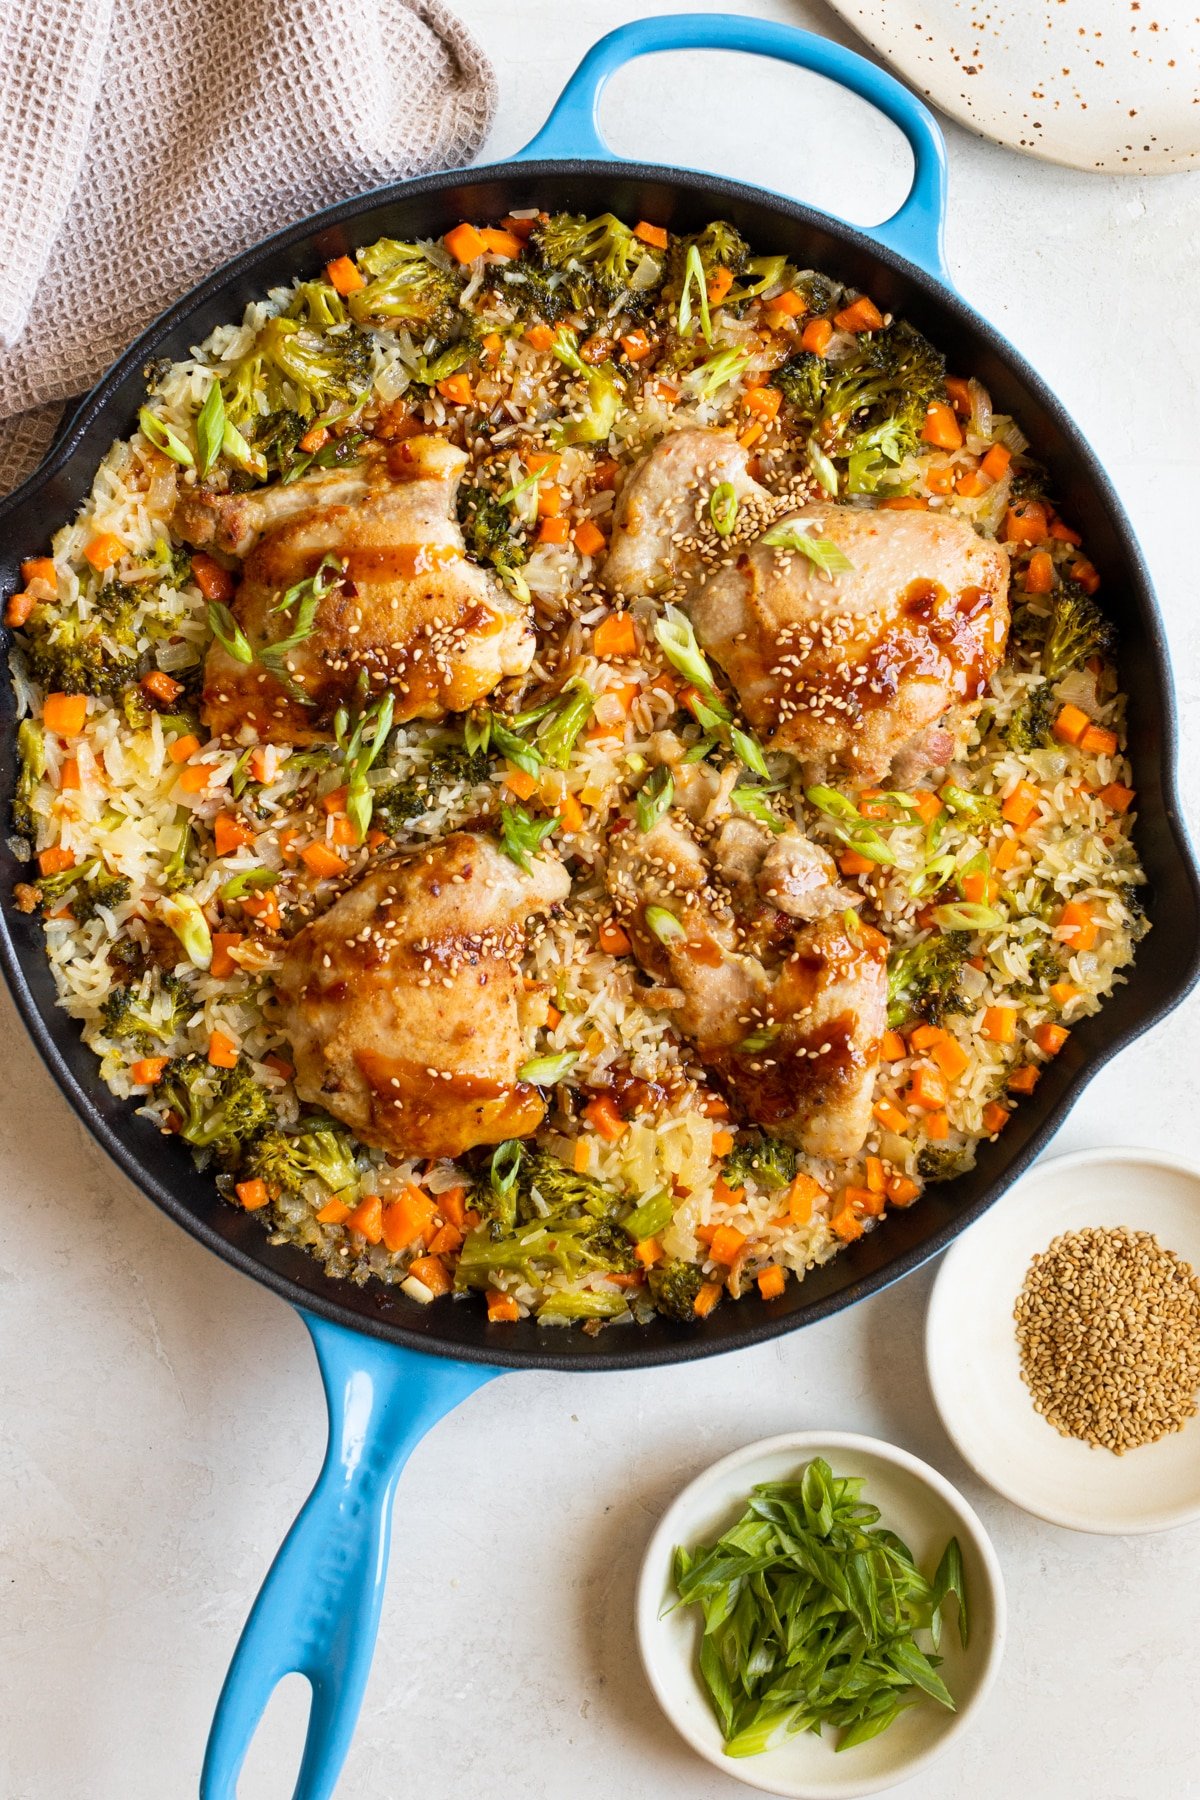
point(1168, 961)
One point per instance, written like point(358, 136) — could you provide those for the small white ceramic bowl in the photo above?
point(925, 1511)
point(974, 1367)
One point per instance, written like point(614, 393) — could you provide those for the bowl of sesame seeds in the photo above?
point(1063, 1342)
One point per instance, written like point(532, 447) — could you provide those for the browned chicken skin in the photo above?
point(403, 1001)
point(790, 1017)
point(851, 673)
point(411, 611)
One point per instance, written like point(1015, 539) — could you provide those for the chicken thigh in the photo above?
point(403, 1001)
point(403, 605)
point(662, 528)
point(789, 1016)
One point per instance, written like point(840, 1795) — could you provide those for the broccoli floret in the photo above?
point(286, 1160)
point(870, 406)
point(591, 423)
point(600, 260)
point(758, 1156)
point(543, 291)
point(801, 380)
point(277, 435)
point(1030, 727)
point(53, 888)
point(488, 528)
point(720, 246)
point(1045, 964)
point(130, 1015)
point(923, 979)
point(1078, 630)
point(72, 659)
point(577, 1247)
point(31, 753)
point(108, 891)
point(399, 802)
point(404, 800)
point(674, 1287)
point(559, 1189)
point(318, 305)
point(219, 1109)
point(408, 289)
point(323, 369)
point(937, 1164)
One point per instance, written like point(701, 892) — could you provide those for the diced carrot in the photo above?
point(846, 1225)
point(550, 501)
point(148, 1070)
point(407, 1218)
point(588, 538)
point(727, 1244)
point(344, 275)
point(492, 346)
point(195, 778)
point(265, 909)
point(1063, 992)
point(876, 1175)
point(68, 775)
point(1039, 576)
point(722, 1142)
point(1023, 1080)
point(941, 427)
point(1062, 534)
point(1005, 854)
point(1076, 926)
point(1097, 741)
point(65, 713)
point(706, 1299)
point(282, 1067)
point(1117, 798)
point(665, 390)
point(1050, 1038)
point(902, 1190)
point(654, 235)
point(789, 303)
point(1025, 522)
point(252, 1194)
point(1021, 807)
point(431, 1270)
point(103, 551)
point(520, 228)
point(55, 860)
point(892, 1047)
point(924, 1037)
point(320, 861)
point(334, 1212)
point(502, 1309)
point(456, 389)
point(890, 1116)
point(314, 439)
point(1085, 573)
point(223, 964)
point(970, 483)
point(264, 763)
point(182, 749)
point(865, 1201)
point(601, 1113)
point(40, 568)
point(222, 1051)
point(616, 636)
point(816, 337)
point(343, 833)
point(376, 838)
point(950, 1057)
point(18, 609)
point(1070, 724)
point(939, 478)
point(937, 1126)
point(763, 402)
point(926, 805)
point(959, 394)
point(995, 1117)
point(521, 783)
point(861, 315)
point(636, 345)
point(927, 1090)
point(571, 814)
point(977, 887)
point(581, 1156)
point(287, 843)
point(367, 1218)
point(230, 833)
point(801, 1197)
point(613, 938)
point(539, 337)
point(851, 863)
point(500, 243)
point(335, 800)
point(995, 463)
point(1000, 1025)
point(905, 503)
point(719, 284)
point(214, 581)
point(464, 243)
point(554, 531)
point(772, 1281)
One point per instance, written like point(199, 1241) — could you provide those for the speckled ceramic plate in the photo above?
point(1097, 84)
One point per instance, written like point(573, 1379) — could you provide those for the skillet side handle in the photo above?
point(317, 1613)
point(573, 129)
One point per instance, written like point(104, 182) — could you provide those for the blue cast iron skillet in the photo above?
point(392, 1368)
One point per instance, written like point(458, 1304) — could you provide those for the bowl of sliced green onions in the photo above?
point(820, 1614)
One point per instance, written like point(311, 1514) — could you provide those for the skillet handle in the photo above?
point(317, 1613)
point(573, 129)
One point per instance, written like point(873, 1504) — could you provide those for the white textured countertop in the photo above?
point(162, 1415)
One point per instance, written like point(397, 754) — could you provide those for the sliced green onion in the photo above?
point(571, 712)
point(186, 920)
point(228, 632)
point(249, 881)
point(752, 803)
point(521, 835)
point(678, 643)
point(663, 923)
point(709, 711)
point(652, 1216)
point(960, 802)
point(979, 864)
point(524, 756)
point(700, 750)
point(723, 508)
point(584, 1303)
point(759, 1040)
point(718, 372)
point(158, 433)
point(831, 803)
point(823, 553)
point(514, 493)
point(822, 468)
point(544, 1071)
point(933, 876)
point(693, 276)
point(965, 915)
point(210, 427)
point(515, 582)
point(750, 752)
point(505, 1166)
point(238, 452)
point(654, 798)
point(477, 730)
